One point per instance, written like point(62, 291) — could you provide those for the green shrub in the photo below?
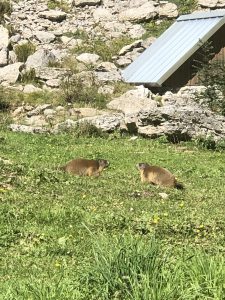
point(75, 91)
point(53, 4)
point(185, 6)
point(29, 76)
point(24, 50)
point(86, 129)
point(106, 50)
point(5, 8)
point(154, 29)
point(4, 103)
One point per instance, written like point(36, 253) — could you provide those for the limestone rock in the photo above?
point(4, 37)
point(11, 73)
point(88, 58)
point(168, 10)
point(102, 14)
point(47, 73)
point(86, 2)
point(106, 67)
point(27, 129)
point(212, 3)
point(30, 88)
point(53, 15)
point(3, 57)
point(111, 76)
point(39, 109)
point(144, 12)
point(40, 58)
point(133, 101)
point(130, 47)
point(44, 37)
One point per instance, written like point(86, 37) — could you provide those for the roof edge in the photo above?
point(203, 15)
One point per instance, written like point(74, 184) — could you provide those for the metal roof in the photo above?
point(174, 47)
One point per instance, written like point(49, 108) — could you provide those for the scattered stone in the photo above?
point(53, 15)
point(212, 3)
point(11, 73)
point(88, 58)
point(44, 37)
point(130, 47)
point(164, 196)
point(30, 88)
point(4, 37)
point(3, 57)
point(167, 10)
point(145, 12)
point(27, 129)
point(102, 14)
point(36, 121)
point(40, 58)
point(39, 109)
point(86, 2)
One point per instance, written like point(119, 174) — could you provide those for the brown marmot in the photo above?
point(158, 176)
point(85, 167)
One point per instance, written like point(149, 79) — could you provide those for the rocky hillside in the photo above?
point(74, 50)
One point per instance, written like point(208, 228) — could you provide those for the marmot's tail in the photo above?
point(179, 186)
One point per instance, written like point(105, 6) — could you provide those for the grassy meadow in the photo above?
point(112, 237)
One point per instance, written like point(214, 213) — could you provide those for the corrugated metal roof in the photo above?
point(173, 47)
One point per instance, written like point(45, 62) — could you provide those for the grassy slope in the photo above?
point(49, 219)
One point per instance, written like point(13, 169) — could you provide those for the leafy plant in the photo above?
point(28, 76)
point(4, 103)
point(75, 91)
point(86, 129)
point(24, 50)
point(154, 29)
point(185, 6)
point(61, 4)
point(106, 50)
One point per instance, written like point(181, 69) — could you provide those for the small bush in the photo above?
point(28, 76)
point(4, 103)
point(154, 29)
point(185, 6)
point(53, 4)
point(75, 91)
point(86, 129)
point(106, 50)
point(24, 50)
point(5, 8)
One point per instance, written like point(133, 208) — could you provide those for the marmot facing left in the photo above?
point(158, 176)
point(85, 167)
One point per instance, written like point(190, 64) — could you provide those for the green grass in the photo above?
point(68, 237)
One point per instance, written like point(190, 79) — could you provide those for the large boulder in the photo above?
point(142, 13)
point(40, 58)
point(4, 37)
point(44, 37)
point(88, 58)
point(4, 56)
point(212, 3)
point(133, 101)
point(11, 73)
point(167, 10)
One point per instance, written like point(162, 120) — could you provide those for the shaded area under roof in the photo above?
point(173, 47)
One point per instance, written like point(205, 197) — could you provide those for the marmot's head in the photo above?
point(103, 163)
point(142, 166)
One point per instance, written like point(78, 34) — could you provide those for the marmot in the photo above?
point(158, 176)
point(85, 167)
